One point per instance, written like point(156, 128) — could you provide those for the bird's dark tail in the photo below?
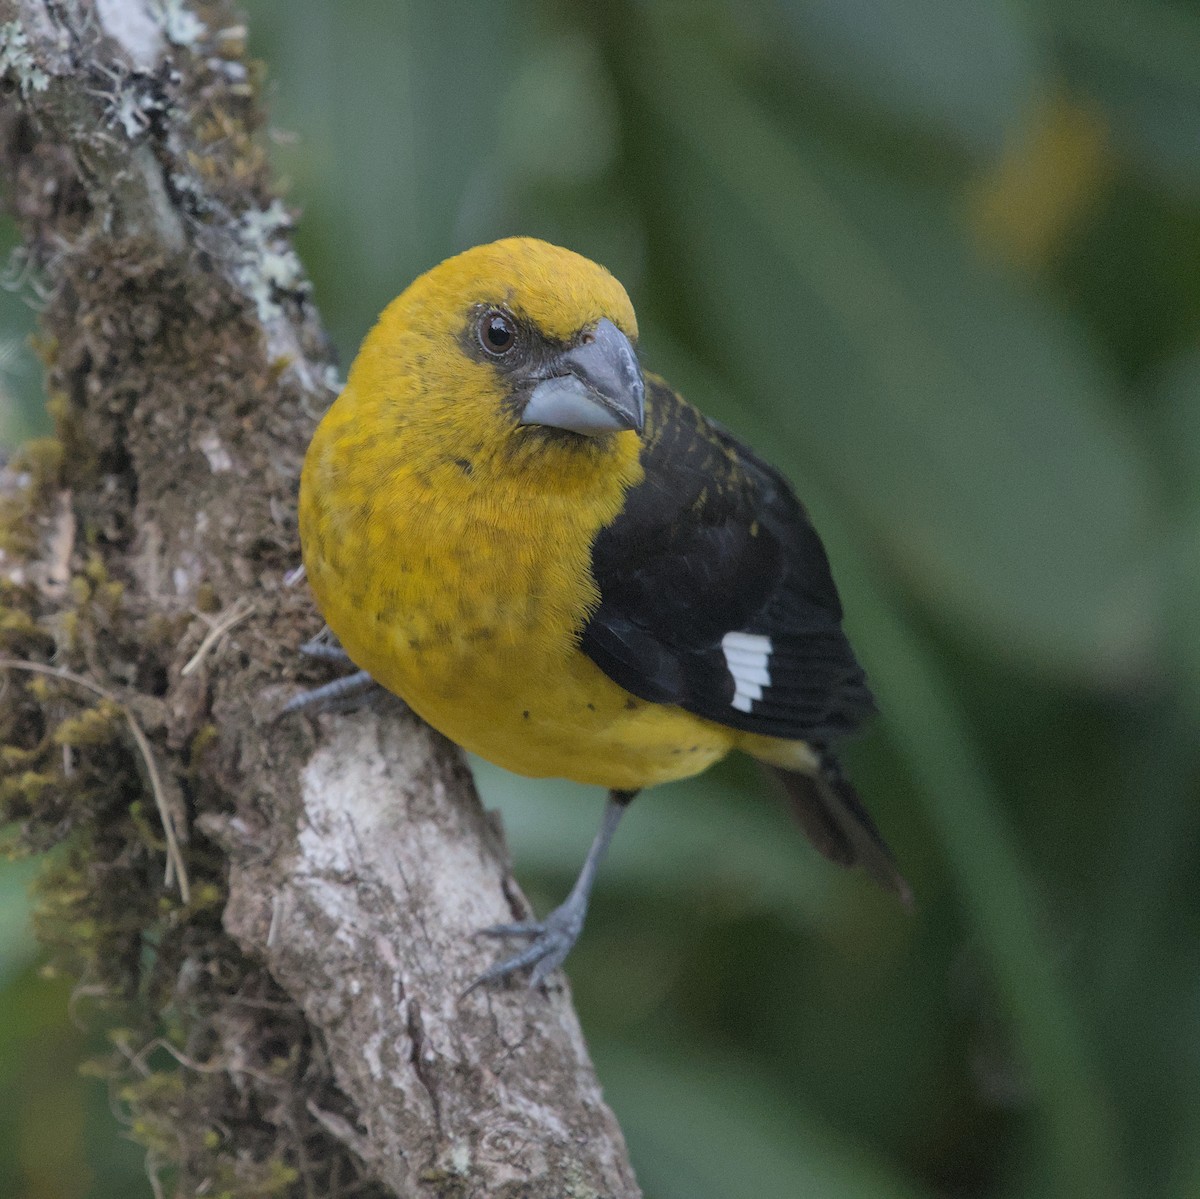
point(833, 817)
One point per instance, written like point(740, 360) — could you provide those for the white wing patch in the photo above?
point(746, 657)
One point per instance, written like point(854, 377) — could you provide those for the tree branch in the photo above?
point(310, 987)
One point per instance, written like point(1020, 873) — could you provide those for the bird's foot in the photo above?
point(552, 940)
point(340, 695)
point(325, 647)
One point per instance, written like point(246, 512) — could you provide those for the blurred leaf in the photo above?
point(58, 1136)
point(550, 172)
point(559, 119)
point(702, 1128)
point(1143, 973)
point(1180, 444)
point(969, 426)
point(400, 109)
point(22, 412)
point(1139, 59)
point(1189, 1174)
point(960, 69)
point(979, 850)
point(1050, 177)
point(17, 946)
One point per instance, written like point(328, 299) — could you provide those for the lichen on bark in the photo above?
point(291, 1021)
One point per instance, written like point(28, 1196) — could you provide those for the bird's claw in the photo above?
point(340, 695)
point(552, 939)
point(325, 647)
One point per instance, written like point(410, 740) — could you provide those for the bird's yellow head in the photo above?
point(514, 349)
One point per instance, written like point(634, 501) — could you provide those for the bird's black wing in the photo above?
point(715, 591)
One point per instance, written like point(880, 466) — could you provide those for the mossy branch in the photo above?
point(294, 1023)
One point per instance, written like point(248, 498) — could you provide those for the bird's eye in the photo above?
point(497, 332)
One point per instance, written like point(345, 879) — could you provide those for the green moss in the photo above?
point(160, 1087)
point(14, 758)
point(42, 458)
point(93, 726)
point(207, 895)
point(35, 473)
point(15, 625)
point(70, 629)
point(203, 741)
point(20, 793)
point(103, 909)
point(147, 825)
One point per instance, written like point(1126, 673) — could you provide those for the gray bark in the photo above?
point(350, 854)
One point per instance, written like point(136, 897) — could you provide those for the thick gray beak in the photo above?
point(592, 389)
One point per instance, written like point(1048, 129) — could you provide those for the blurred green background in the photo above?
point(939, 260)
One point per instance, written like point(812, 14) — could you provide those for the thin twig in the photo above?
point(232, 617)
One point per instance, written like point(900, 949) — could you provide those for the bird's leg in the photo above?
point(554, 936)
point(336, 695)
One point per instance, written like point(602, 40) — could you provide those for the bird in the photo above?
point(567, 569)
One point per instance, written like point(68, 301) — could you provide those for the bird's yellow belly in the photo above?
point(552, 718)
point(479, 636)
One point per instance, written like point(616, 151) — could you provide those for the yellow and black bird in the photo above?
point(565, 568)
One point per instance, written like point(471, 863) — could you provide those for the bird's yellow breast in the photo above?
point(458, 573)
